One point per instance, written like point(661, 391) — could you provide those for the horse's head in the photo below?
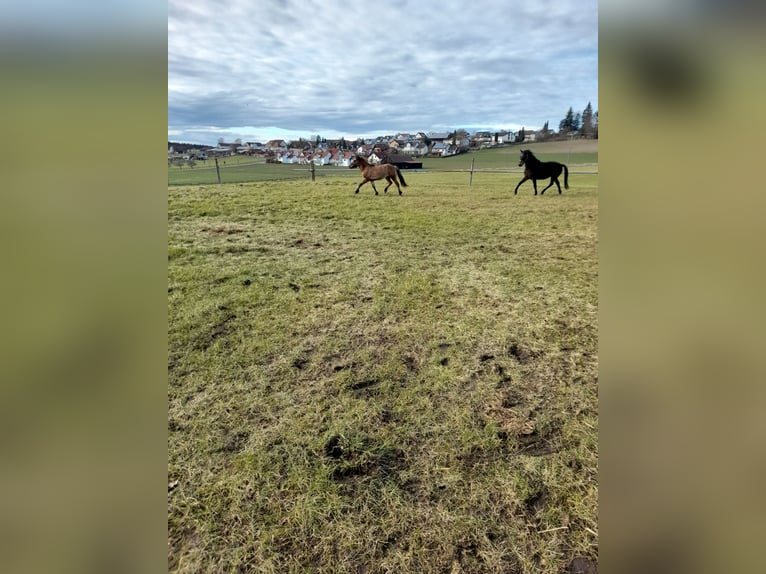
point(354, 162)
point(523, 156)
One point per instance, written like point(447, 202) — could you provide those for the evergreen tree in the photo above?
point(595, 125)
point(577, 122)
point(545, 132)
point(587, 121)
point(521, 136)
point(568, 123)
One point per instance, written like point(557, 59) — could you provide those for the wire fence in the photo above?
point(240, 170)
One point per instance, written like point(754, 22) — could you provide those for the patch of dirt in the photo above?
point(581, 565)
point(300, 363)
point(537, 501)
point(504, 377)
point(364, 385)
point(332, 447)
point(365, 460)
point(521, 354)
point(223, 230)
point(411, 364)
point(235, 442)
point(540, 442)
point(512, 398)
point(220, 329)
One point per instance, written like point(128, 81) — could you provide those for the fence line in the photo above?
point(309, 170)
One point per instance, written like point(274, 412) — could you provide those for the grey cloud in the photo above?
point(345, 67)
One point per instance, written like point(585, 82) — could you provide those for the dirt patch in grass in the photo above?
point(580, 565)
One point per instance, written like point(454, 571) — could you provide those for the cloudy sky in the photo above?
point(289, 69)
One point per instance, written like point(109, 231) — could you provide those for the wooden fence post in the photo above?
point(312, 171)
point(217, 171)
point(470, 177)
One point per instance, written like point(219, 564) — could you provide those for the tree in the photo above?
point(568, 123)
point(521, 136)
point(587, 122)
point(595, 125)
point(544, 132)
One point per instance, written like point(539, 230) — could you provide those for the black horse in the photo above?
point(535, 169)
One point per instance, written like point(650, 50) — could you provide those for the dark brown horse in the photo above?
point(372, 173)
point(535, 169)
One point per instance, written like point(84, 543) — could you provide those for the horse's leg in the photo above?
point(360, 185)
point(396, 181)
point(515, 191)
point(547, 186)
point(372, 183)
point(534, 184)
point(557, 184)
point(390, 181)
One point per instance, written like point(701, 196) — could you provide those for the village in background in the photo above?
point(392, 148)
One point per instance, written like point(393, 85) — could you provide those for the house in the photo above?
point(415, 149)
point(438, 149)
point(376, 158)
point(437, 136)
point(322, 157)
point(276, 145)
point(343, 158)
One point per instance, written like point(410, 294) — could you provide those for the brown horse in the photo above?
point(372, 173)
point(535, 169)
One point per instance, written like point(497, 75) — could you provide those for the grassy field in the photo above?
point(363, 383)
point(580, 154)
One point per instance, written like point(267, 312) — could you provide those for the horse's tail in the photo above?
point(566, 177)
point(399, 173)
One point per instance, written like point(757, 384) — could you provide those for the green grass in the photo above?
point(579, 154)
point(363, 383)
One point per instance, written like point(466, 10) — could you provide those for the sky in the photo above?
point(284, 69)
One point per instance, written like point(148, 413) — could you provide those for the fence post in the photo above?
point(217, 171)
point(311, 164)
point(470, 177)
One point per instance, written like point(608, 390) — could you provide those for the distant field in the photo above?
point(578, 154)
point(363, 383)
